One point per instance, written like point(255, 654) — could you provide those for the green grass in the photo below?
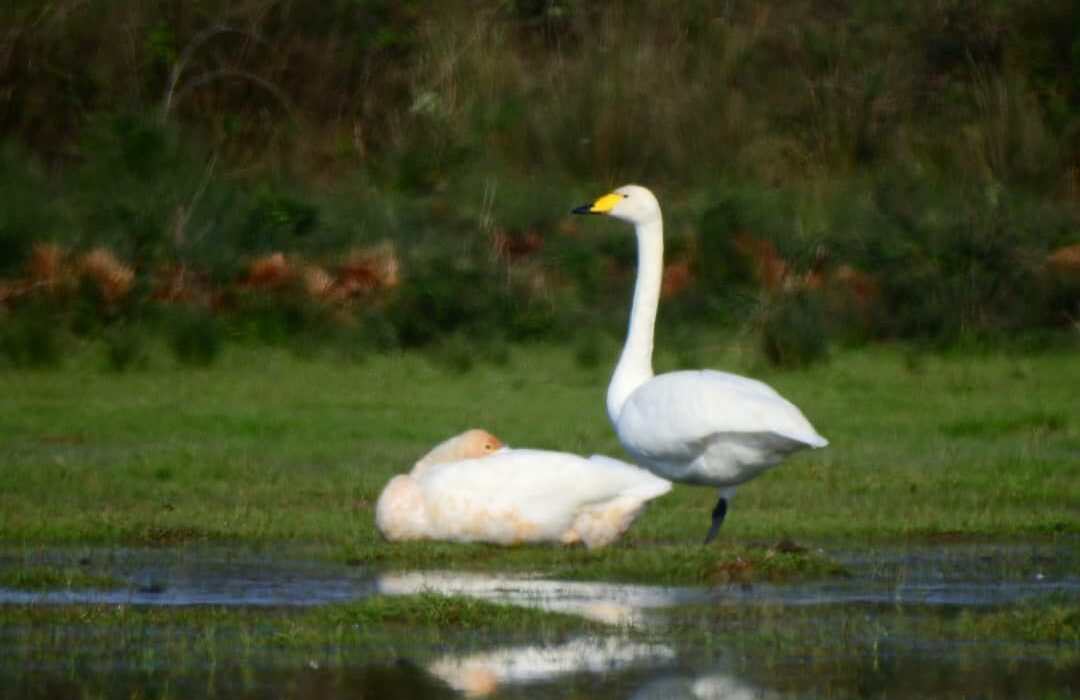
point(154, 647)
point(47, 577)
point(655, 563)
point(417, 612)
point(267, 447)
point(342, 649)
point(824, 634)
point(1054, 624)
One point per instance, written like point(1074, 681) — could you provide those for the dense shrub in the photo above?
point(125, 347)
point(907, 166)
point(793, 331)
point(31, 337)
point(197, 337)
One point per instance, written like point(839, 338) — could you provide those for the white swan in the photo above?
point(514, 495)
point(699, 427)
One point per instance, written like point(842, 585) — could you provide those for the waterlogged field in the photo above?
point(209, 533)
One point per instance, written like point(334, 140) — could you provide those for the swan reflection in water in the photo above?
point(707, 686)
point(626, 605)
point(614, 604)
point(484, 673)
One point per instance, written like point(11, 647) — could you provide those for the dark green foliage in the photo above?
point(954, 261)
point(720, 265)
point(442, 297)
point(32, 336)
point(277, 317)
point(468, 295)
point(793, 332)
point(455, 353)
point(278, 221)
point(367, 332)
point(197, 337)
point(932, 147)
point(589, 348)
point(125, 347)
point(133, 177)
point(28, 210)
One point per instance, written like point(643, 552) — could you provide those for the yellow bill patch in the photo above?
point(605, 203)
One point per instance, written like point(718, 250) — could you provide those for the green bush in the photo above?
point(197, 337)
point(792, 329)
point(125, 347)
point(30, 211)
point(31, 336)
point(455, 352)
point(932, 147)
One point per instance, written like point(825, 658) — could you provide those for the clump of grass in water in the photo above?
point(432, 610)
point(655, 564)
point(424, 611)
point(1038, 623)
point(50, 578)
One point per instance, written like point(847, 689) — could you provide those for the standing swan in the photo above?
point(698, 426)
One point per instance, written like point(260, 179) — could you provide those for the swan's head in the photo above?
point(632, 203)
point(468, 445)
point(477, 443)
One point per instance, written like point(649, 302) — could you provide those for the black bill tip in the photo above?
point(583, 209)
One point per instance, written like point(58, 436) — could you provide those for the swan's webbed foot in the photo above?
point(717, 519)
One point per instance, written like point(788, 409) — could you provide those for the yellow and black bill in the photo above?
point(600, 206)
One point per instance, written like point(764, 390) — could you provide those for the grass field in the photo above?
point(267, 447)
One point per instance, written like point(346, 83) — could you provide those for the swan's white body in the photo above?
point(699, 427)
point(711, 428)
point(517, 495)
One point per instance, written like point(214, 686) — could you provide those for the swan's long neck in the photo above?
point(635, 364)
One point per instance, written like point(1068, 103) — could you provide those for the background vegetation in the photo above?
point(831, 172)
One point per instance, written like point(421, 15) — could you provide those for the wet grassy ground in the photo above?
point(271, 451)
point(956, 620)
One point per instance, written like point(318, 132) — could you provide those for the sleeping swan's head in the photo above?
point(468, 445)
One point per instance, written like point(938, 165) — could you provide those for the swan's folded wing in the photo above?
point(674, 416)
point(640, 483)
point(527, 479)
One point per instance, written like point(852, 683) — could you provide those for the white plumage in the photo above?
point(699, 427)
point(514, 496)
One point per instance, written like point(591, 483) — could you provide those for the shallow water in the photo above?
point(875, 632)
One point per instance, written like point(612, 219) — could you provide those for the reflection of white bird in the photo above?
point(700, 427)
point(710, 686)
point(514, 496)
point(483, 674)
point(621, 604)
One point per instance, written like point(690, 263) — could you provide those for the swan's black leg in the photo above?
point(717, 519)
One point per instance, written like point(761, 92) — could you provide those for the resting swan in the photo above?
point(698, 427)
point(469, 490)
